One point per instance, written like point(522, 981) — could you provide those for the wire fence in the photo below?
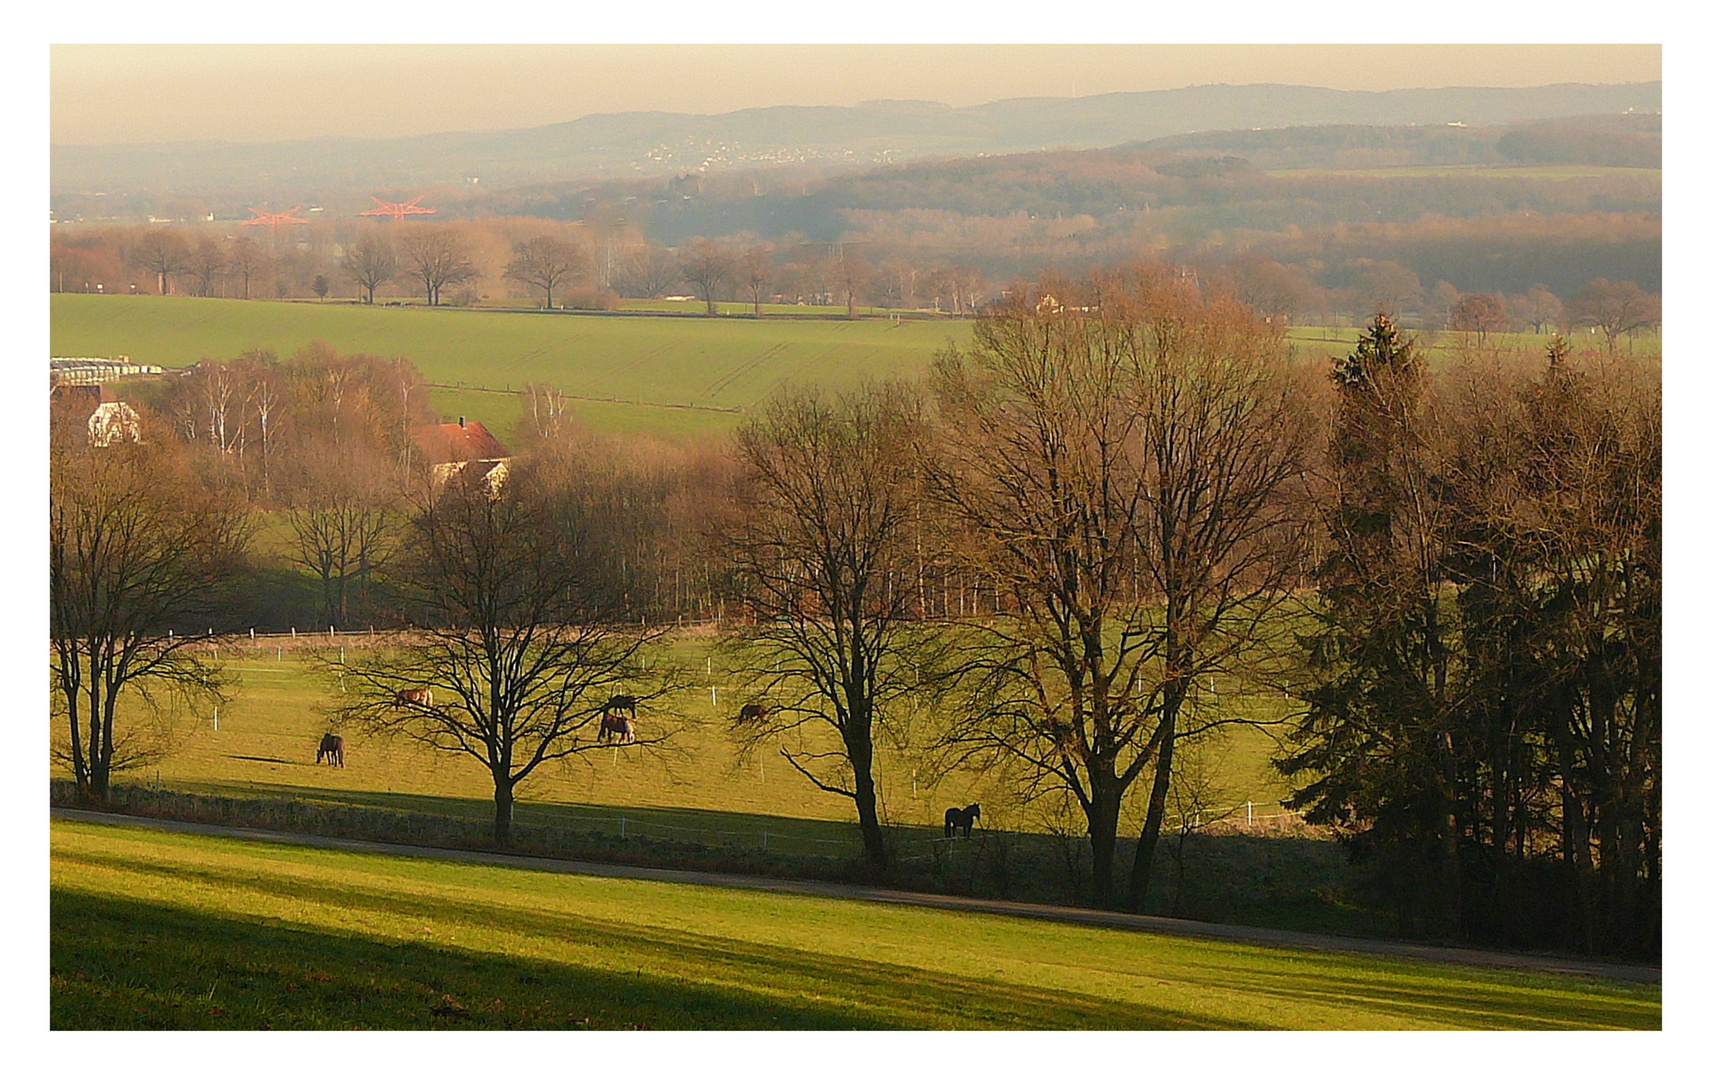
point(640, 826)
point(1249, 814)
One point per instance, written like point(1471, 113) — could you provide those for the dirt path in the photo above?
point(1153, 924)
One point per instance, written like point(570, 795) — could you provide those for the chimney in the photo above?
point(460, 421)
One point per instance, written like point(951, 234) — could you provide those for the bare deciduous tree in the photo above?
point(206, 263)
point(755, 271)
point(136, 552)
point(647, 271)
point(829, 503)
point(437, 257)
point(162, 253)
point(246, 260)
point(1538, 308)
point(1613, 309)
point(706, 265)
point(1479, 314)
point(345, 522)
point(1120, 471)
point(546, 262)
point(371, 262)
point(521, 645)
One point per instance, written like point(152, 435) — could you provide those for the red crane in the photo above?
point(397, 211)
point(274, 221)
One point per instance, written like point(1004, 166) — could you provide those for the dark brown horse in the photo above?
point(963, 819)
point(752, 713)
point(332, 750)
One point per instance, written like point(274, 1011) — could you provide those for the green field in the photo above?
point(674, 375)
point(694, 788)
point(153, 930)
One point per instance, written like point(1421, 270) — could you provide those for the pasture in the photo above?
point(694, 788)
point(154, 930)
point(666, 373)
point(672, 375)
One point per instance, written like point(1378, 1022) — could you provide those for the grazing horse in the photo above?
point(421, 695)
point(332, 750)
point(621, 728)
point(963, 819)
point(752, 713)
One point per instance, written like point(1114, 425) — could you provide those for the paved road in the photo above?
point(1079, 916)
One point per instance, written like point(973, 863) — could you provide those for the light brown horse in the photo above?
point(332, 750)
point(420, 695)
point(622, 729)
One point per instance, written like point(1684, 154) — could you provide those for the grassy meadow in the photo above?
point(662, 374)
point(694, 788)
point(153, 930)
point(668, 374)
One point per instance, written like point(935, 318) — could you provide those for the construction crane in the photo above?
point(397, 211)
point(274, 221)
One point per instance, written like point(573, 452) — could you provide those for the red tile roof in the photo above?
point(463, 441)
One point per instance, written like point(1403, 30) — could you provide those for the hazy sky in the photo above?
point(155, 93)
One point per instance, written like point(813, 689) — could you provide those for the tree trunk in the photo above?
point(1141, 873)
point(866, 799)
point(503, 787)
point(1106, 802)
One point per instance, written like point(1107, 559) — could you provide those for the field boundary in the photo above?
point(1549, 965)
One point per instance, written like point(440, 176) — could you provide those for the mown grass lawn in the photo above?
point(153, 930)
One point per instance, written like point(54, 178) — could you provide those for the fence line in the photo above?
point(765, 840)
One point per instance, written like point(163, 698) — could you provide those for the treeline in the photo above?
point(1481, 669)
point(594, 266)
point(1043, 564)
point(1201, 201)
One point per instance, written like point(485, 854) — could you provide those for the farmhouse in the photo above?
point(453, 449)
point(112, 422)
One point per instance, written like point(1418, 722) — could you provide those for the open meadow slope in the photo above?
point(158, 930)
point(696, 373)
point(694, 788)
point(669, 375)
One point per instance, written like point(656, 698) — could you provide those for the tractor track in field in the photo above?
point(1250, 935)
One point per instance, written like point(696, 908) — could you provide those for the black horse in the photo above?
point(332, 750)
point(963, 819)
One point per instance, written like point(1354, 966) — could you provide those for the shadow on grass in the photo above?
point(693, 979)
point(131, 964)
point(1284, 882)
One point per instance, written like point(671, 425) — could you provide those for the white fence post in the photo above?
point(1250, 811)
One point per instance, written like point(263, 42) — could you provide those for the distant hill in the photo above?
point(637, 145)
